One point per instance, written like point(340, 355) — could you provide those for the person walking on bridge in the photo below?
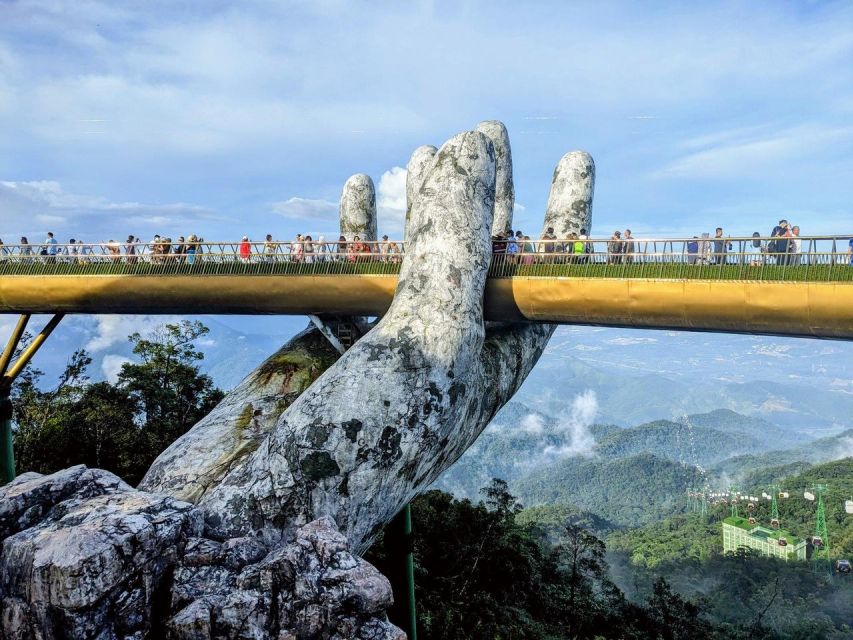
point(245, 249)
point(795, 246)
point(50, 248)
point(628, 246)
point(615, 248)
point(269, 248)
point(721, 246)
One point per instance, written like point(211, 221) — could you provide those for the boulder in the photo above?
point(86, 556)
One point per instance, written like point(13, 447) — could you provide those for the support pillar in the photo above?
point(402, 573)
point(8, 372)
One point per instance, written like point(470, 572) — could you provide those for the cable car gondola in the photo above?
point(783, 542)
point(750, 506)
point(752, 521)
point(817, 541)
point(843, 566)
point(774, 523)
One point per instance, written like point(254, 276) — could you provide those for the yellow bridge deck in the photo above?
point(821, 309)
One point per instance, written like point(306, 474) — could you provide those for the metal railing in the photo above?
point(813, 258)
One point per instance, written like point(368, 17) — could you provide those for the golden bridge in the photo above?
point(793, 287)
point(664, 283)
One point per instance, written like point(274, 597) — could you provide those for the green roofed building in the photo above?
point(778, 543)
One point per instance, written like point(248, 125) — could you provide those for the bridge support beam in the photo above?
point(8, 373)
point(328, 333)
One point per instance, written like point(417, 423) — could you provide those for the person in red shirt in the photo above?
point(245, 249)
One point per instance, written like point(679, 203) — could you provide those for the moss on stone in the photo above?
point(244, 419)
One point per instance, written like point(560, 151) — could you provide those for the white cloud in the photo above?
point(532, 424)
point(306, 209)
point(734, 154)
point(625, 341)
point(574, 426)
point(844, 449)
point(47, 204)
point(391, 201)
point(772, 350)
point(111, 366)
point(114, 329)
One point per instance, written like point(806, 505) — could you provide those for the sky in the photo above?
point(223, 119)
point(228, 118)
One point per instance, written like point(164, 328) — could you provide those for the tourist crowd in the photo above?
point(783, 247)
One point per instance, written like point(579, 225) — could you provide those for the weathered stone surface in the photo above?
point(311, 588)
point(569, 206)
point(416, 171)
point(102, 560)
point(504, 186)
point(93, 561)
point(372, 430)
point(358, 208)
point(238, 424)
point(410, 396)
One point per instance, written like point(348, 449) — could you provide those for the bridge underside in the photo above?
point(813, 309)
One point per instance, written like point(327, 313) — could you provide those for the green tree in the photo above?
point(673, 617)
point(167, 385)
point(41, 440)
point(119, 427)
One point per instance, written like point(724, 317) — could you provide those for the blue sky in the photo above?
point(221, 119)
point(227, 118)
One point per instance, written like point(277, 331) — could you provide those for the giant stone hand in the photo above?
point(412, 395)
point(307, 444)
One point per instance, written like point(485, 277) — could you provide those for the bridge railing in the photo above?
point(813, 258)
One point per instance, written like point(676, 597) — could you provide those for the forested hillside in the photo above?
point(815, 451)
point(628, 492)
point(678, 441)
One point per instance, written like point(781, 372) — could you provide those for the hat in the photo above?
point(245, 237)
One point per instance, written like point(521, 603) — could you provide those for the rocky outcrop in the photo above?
point(504, 185)
point(358, 208)
point(86, 556)
point(311, 588)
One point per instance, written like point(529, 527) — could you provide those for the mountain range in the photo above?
point(637, 376)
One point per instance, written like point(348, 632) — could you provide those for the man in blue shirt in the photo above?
point(50, 245)
point(850, 251)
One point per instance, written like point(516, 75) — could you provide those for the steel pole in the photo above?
point(410, 571)
point(401, 572)
point(7, 452)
